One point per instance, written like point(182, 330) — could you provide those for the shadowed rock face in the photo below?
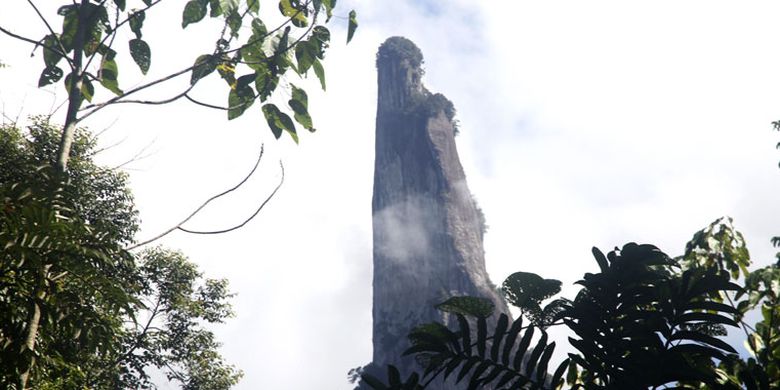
point(427, 228)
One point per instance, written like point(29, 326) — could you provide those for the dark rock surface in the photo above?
point(428, 230)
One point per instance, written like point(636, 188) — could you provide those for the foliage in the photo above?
point(645, 320)
point(105, 315)
point(400, 49)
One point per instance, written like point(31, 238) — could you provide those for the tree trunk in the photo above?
point(63, 154)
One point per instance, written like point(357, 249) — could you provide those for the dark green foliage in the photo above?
point(636, 320)
point(435, 103)
point(527, 291)
point(643, 321)
point(106, 316)
point(400, 49)
point(99, 195)
point(492, 359)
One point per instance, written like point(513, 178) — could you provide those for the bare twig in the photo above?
point(137, 157)
point(267, 199)
point(204, 204)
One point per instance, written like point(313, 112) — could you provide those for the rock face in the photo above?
point(427, 227)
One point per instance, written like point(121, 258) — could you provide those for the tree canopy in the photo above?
point(107, 316)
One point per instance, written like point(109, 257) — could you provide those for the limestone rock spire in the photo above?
point(427, 227)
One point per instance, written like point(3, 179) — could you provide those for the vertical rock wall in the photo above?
point(427, 228)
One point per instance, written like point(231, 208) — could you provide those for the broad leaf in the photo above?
point(194, 11)
point(279, 122)
point(50, 75)
point(320, 72)
point(137, 23)
point(108, 76)
point(471, 306)
point(141, 54)
point(353, 24)
point(204, 65)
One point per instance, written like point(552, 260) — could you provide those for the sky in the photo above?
point(582, 124)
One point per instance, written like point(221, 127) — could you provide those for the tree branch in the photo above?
point(99, 106)
point(204, 204)
point(36, 43)
point(245, 221)
point(150, 102)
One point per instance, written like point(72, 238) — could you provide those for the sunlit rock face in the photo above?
point(428, 230)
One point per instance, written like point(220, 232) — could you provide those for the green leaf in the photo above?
point(353, 24)
point(228, 6)
point(137, 22)
point(87, 89)
point(498, 335)
point(481, 336)
point(601, 259)
point(522, 347)
point(70, 23)
point(373, 382)
point(320, 72)
point(467, 367)
point(696, 349)
point(517, 325)
point(216, 8)
point(279, 121)
point(141, 54)
point(328, 4)
point(50, 75)
point(253, 6)
point(472, 306)
point(120, 4)
point(265, 83)
point(465, 333)
point(297, 16)
point(204, 65)
point(305, 54)
point(108, 76)
point(475, 376)
point(527, 290)
point(259, 31)
point(695, 336)
point(300, 106)
point(393, 376)
point(241, 97)
point(557, 377)
point(51, 57)
point(536, 353)
point(234, 21)
point(707, 317)
point(320, 39)
point(194, 11)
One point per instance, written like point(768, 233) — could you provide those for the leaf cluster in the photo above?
point(252, 68)
point(645, 320)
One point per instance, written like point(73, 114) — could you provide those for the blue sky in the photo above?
point(582, 124)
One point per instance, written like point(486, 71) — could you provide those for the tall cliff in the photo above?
point(427, 227)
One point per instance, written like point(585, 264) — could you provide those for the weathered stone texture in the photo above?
point(427, 229)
